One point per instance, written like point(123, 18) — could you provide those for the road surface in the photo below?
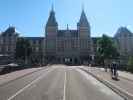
point(57, 83)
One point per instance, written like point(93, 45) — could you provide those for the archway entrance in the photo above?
point(67, 60)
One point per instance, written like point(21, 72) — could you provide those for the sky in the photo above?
point(30, 16)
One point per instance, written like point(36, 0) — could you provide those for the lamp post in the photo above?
point(25, 54)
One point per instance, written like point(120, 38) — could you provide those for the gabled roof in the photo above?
point(9, 31)
point(123, 31)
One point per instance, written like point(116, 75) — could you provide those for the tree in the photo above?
point(23, 49)
point(130, 64)
point(106, 49)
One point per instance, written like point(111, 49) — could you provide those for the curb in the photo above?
point(19, 77)
point(120, 92)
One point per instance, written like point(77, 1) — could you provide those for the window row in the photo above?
point(7, 49)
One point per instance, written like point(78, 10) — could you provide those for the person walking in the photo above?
point(111, 69)
point(114, 72)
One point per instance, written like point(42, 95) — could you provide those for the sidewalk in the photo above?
point(17, 74)
point(123, 74)
point(124, 86)
point(126, 75)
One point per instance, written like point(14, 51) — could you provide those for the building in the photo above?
point(68, 46)
point(8, 41)
point(124, 41)
point(65, 46)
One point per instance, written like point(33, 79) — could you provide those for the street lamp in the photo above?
point(25, 54)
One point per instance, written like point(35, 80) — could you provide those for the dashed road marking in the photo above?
point(64, 95)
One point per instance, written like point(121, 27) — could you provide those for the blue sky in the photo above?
point(30, 16)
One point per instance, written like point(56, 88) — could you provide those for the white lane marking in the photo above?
point(64, 95)
point(27, 86)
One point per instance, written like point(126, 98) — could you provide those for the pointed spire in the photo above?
point(52, 8)
point(52, 20)
point(82, 6)
point(83, 19)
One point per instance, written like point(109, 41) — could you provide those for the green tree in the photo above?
point(130, 64)
point(23, 49)
point(106, 49)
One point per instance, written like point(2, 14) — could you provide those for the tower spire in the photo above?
point(52, 8)
point(82, 6)
point(52, 20)
point(83, 19)
point(83, 25)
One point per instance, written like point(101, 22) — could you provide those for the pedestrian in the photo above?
point(111, 69)
point(114, 71)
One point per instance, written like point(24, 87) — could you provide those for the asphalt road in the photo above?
point(57, 83)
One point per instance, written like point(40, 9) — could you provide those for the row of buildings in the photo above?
point(64, 46)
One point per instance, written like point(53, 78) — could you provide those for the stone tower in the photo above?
point(85, 43)
point(51, 35)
